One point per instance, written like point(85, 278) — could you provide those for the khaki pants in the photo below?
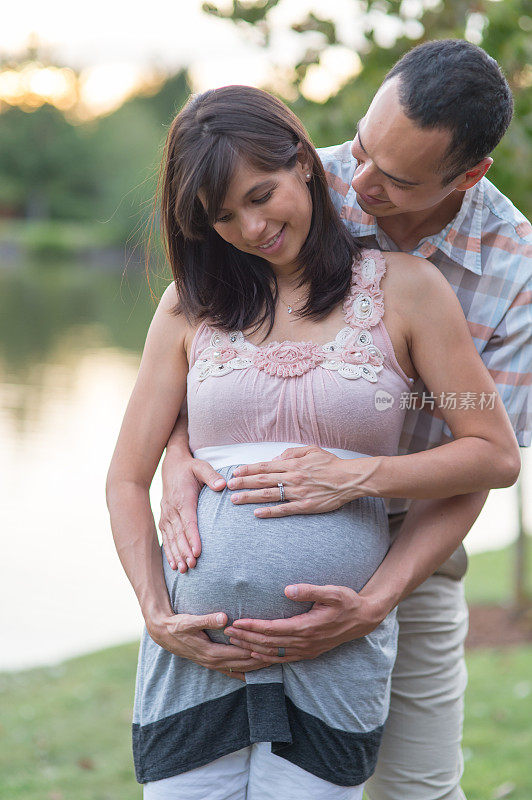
point(420, 756)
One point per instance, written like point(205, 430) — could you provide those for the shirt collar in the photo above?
point(460, 240)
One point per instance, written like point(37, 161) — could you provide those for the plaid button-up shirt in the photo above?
point(485, 253)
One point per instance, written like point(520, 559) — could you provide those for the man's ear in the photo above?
point(474, 174)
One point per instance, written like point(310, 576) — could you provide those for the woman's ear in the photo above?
point(304, 163)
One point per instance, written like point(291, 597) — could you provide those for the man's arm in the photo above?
point(430, 533)
point(183, 477)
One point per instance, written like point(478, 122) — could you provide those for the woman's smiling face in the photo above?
point(267, 214)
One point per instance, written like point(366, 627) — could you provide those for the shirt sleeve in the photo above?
point(339, 166)
point(508, 356)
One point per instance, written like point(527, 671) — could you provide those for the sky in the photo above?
point(115, 44)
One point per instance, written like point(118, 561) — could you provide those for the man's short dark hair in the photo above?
point(455, 85)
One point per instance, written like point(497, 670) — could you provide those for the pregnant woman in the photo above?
point(282, 331)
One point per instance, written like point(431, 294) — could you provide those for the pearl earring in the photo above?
point(308, 176)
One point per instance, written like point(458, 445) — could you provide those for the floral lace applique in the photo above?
point(364, 305)
point(286, 359)
point(351, 353)
point(226, 352)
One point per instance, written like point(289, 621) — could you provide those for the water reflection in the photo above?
point(49, 316)
point(70, 340)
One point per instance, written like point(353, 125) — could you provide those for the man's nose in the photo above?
point(367, 179)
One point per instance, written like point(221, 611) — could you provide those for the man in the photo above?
point(411, 180)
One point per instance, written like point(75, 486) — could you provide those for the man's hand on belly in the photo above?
point(184, 635)
point(183, 477)
point(314, 480)
point(338, 615)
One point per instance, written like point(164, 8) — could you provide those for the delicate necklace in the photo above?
point(289, 307)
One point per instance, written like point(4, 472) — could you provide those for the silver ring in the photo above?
point(280, 652)
point(281, 490)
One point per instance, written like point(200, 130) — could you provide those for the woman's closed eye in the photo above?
point(264, 198)
point(258, 201)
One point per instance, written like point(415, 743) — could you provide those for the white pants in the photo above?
point(253, 773)
point(420, 757)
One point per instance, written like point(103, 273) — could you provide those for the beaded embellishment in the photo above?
point(364, 305)
point(226, 352)
point(352, 353)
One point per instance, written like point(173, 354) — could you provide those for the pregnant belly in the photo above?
point(246, 562)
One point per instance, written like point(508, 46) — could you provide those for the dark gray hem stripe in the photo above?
point(341, 757)
point(196, 736)
point(190, 738)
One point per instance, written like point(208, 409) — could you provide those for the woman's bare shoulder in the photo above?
point(168, 324)
point(183, 328)
point(169, 303)
point(409, 270)
point(169, 300)
point(411, 280)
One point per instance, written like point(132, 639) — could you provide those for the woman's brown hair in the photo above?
point(234, 290)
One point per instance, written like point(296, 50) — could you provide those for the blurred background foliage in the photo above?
point(503, 28)
point(103, 172)
point(76, 194)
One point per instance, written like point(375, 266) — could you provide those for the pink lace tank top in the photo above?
point(342, 394)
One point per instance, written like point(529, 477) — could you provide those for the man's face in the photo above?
point(397, 160)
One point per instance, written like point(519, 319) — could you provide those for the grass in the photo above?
point(497, 732)
point(489, 576)
point(65, 730)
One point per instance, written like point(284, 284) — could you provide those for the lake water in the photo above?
point(70, 340)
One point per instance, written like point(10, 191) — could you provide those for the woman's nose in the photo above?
point(252, 227)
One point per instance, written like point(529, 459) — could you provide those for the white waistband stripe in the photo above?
point(251, 452)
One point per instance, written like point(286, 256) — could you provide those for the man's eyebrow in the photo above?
point(398, 180)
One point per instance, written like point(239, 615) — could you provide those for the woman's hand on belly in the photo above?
point(314, 480)
point(184, 635)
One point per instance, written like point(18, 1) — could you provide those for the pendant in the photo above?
point(289, 309)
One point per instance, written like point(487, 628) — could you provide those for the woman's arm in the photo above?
point(149, 417)
point(484, 453)
point(148, 421)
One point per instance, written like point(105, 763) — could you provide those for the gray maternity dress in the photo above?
point(247, 403)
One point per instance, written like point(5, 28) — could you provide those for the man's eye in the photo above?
point(356, 144)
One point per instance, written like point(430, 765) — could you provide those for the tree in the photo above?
point(502, 28)
point(44, 165)
point(126, 148)
point(104, 170)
